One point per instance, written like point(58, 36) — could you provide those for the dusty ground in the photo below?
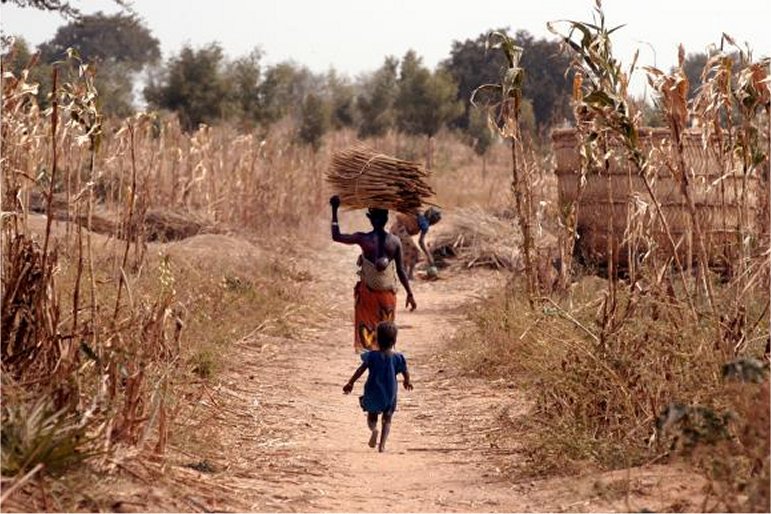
point(283, 437)
point(273, 431)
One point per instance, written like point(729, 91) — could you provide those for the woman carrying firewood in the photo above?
point(380, 263)
point(404, 227)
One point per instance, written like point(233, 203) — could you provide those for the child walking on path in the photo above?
point(381, 387)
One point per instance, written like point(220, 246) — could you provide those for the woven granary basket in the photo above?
point(610, 196)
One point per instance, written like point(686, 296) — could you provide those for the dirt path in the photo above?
point(273, 431)
point(430, 463)
point(322, 461)
point(281, 436)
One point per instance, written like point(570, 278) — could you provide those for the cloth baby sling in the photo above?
point(374, 301)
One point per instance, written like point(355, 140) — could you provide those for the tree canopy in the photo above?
point(545, 84)
point(119, 45)
point(693, 66)
point(101, 38)
point(314, 120)
point(283, 89)
point(375, 104)
point(192, 85)
point(63, 7)
point(203, 86)
point(425, 101)
point(18, 56)
point(243, 77)
point(342, 99)
point(471, 65)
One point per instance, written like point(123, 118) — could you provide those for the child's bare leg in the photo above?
point(372, 424)
point(386, 428)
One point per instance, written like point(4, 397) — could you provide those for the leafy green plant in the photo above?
point(34, 433)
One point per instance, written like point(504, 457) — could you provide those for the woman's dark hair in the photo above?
point(378, 217)
point(433, 215)
point(386, 335)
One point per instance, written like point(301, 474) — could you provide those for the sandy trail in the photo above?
point(430, 463)
point(287, 439)
point(433, 461)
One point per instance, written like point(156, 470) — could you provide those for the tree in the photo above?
point(693, 66)
point(425, 101)
point(544, 84)
point(116, 90)
point(243, 81)
point(341, 99)
point(471, 65)
point(192, 85)
point(375, 105)
point(18, 56)
point(314, 121)
point(283, 90)
point(412, 85)
point(63, 7)
point(105, 39)
point(441, 102)
point(481, 135)
point(118, 45)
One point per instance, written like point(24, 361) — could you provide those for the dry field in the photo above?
point(176, 326)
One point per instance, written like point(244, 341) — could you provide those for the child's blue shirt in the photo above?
point(381, 386)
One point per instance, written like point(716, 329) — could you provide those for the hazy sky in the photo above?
point(355, 35)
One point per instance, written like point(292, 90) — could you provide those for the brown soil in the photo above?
point(273, 431)
point(281, 436)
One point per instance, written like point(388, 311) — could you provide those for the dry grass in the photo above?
point(598, 403)
point(471, 237)
point(102, 331)
point(131, 297)
point(627, 370)
point(226, 290)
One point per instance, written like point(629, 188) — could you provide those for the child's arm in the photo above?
point(407, 383)
point(347, 388)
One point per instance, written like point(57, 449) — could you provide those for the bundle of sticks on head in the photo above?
point(364, 178)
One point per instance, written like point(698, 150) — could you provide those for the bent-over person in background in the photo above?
point(405, 226)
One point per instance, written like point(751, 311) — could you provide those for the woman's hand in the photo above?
point(408, 385)
point(334, 201)
point(411, 302)
point(347, 388)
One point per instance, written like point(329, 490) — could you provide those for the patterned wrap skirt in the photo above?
point(370, 308)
